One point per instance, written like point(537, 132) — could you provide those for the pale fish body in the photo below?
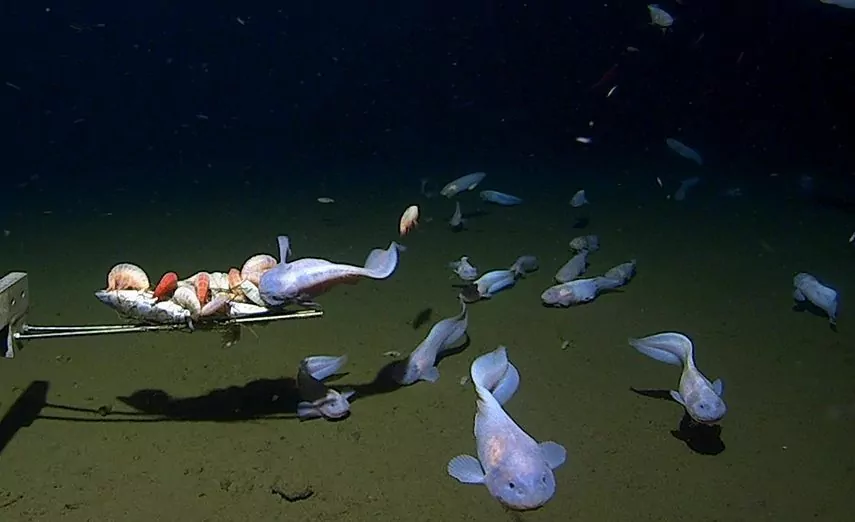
point(684, 187)
point(457, 222)
point(421, 363)
point(499, 198)
point(301, 280)
point(683, 150)
point(701, 398)
point(590, 243)
point(524, 265)
point(515, 468)
point(490, 284)
point(622, 272)
point(659, 17)
point(463, 183)
point(142, 306)
point(578, 291)
point(464, 269)
point(574, 268)
point(810, 289)
point(579, 199)
point(318, 400)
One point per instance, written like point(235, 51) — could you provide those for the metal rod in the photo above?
point(36, 329)
point(24, 335)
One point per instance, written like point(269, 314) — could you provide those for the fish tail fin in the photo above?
point(670, 347)
point(322, 366)
point(494, 373)
point(380, 264)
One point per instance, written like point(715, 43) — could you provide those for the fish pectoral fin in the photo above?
point(553, 453)
point(306, 410)
point(430, 375)
point(798, 295)
point(677, 397)
point(718, 387)
point(347, 394)
point(466, 469)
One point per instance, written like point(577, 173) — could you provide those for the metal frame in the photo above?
point(15, 303)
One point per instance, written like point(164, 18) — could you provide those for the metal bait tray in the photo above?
point(15, 303)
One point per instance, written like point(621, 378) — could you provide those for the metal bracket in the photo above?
point(15, 302)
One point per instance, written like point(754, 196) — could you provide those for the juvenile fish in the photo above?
point(701, 398)
point(524, 265)
point(821, 296)
point(457, 222)
point(573, 268)
point(578, 291)
point(488, 285)
point(499, 198)
point(464, 269)
point(579, 199)
point(622, 272)
point(683, 150)
point(316, 399)
point(463, 183)
point(515, 468)
point(421, 363)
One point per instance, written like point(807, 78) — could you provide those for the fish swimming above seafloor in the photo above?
point(579, 199)
point(517, 470)
point(499, 198)
point(700, 397)
point(421, 363)
point(316, 399)
point(659, 17)
point(463, 183)
point(683, 150)
point(457, 222)
point(301, 280)
point(685, 185)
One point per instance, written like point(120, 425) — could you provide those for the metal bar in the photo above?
point(25, 335)
point(37, 329)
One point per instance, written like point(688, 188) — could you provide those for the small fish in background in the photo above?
point(808, 288)
point(683, 189)
point(846, 4)
point(578, 291)
point(464, 269)
point(457, 222)
point(851, 238)
point(463, 183)
point(325, 200)
point(409, 219)
point(622, 272)
point(583, 139)
point(579, 199)
point(421, 363)
point(489, 285)
point(316, 399)
point(424, 188)
point(700, 397)
point(515, 468)
point(524, 265)
point(499, 198)
point(659, 17)
point(574, 268)
point(684, 151)
point(591, 243)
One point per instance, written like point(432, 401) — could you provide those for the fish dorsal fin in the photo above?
point(284, 249)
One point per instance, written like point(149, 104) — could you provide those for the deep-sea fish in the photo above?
point(659, 17)
point(823, 297)
point(457, 222)
point(301, 280)
point(515, 468)
point(499, 198)
point(701, 398)
point(524, 265)
point(847, 4)
point(463, 183)
point(684, 187)
point(421, 363)
point(622, 272)
point(316, 399)
point(579, 199)
point(488, 285)
point(573, 268)
point(144, 307)
point(464, 269)
point(683, 150)
point(591, 243)
point(578, 291)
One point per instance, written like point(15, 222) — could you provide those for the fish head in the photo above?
point(335, 405)
point(277, 286)
point(522, 484)
point(705, 406)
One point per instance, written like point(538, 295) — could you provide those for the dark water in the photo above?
point(203, 138)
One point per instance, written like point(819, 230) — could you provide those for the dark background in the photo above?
point(339, 83)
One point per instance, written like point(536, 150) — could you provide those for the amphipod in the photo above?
point(255, 266)
point(126, 276)
point(409, 219)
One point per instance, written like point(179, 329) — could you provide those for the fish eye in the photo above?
point(511, 485)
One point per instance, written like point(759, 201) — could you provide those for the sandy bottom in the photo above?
point(197, 431)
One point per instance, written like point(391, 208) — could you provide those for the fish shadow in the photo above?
point(23, 411)
point(703, 439)
point(478, 212)
point(807, 306)
point(421, 318)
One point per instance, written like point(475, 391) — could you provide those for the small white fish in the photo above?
point(660, 182)
point(326, 200)
point(578, 199)
point(583, 139)
point(683, 150)
point(659, 17)
point(611, 91)
point(851, 238)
